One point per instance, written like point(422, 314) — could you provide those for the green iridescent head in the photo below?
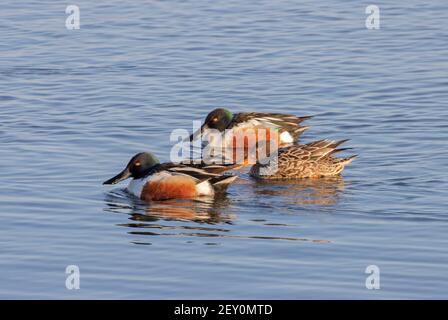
point(218, 119)
point(137, 167)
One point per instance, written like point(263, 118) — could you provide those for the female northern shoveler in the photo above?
point(153, 180)
point(312, 160)
point(287, 126)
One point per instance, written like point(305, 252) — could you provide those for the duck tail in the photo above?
point(300, 129)
point(338, 143)
point(346, 161)
point(342, 161)
point(221, 183)
point(340, 150)
point(301, 119)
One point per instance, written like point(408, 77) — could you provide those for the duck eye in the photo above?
point(215, 119)
point(137, 164)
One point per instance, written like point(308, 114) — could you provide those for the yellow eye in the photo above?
point(215, 119)
point(137, 164)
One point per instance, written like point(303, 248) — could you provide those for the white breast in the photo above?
point(135, 187)
point(205, 189)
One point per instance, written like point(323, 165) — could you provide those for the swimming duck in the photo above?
point(287, 126)
point(312, 160)
point(152, 180)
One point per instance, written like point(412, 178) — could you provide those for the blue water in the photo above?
point(75, 105)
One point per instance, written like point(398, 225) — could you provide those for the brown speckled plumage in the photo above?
point(312, 160)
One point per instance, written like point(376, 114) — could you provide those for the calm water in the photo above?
point(75, 105)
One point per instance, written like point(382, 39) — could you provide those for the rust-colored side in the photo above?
point(169, 188)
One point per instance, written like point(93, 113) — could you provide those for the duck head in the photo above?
point(137, 167)
point(218, 119)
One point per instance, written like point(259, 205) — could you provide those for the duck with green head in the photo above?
point(286, 125)
point(152, 180)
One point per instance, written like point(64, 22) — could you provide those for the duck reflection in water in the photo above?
point(212, 217)
point(322, 191)
point(202, 210)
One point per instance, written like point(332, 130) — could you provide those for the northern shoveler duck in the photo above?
point(287, 126)
point(312, 160)
point(153, 180)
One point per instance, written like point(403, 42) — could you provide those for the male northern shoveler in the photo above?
point(153, 180)
point(312, 160)
point(287, 126)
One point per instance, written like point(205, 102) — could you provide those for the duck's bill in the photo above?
point(123, 175)
point(198, 132)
